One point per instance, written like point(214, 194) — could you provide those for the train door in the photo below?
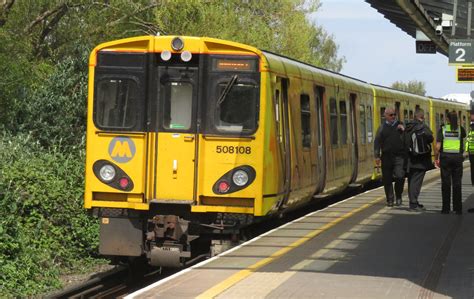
point(321, 138)
point(354, 139)
point(176, 142)
point(398, 109)
point(284, 138)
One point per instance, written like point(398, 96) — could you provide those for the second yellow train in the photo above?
point(192, 136)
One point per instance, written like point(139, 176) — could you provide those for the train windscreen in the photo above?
point(234, 88)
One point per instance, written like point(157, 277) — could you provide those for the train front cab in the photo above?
point(175, 143)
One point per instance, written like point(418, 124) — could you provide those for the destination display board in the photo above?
point(425, 47)
point(465, 74)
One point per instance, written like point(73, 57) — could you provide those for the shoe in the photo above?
point(459, 212)
point(471, 210)
point(389, 203)
point(444, 212)
point(420, 205)
point(398, 202)
point(416, 209)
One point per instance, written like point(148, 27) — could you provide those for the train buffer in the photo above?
point(358, 248)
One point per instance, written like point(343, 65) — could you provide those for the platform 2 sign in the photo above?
point(461, 51)
point(465, 74)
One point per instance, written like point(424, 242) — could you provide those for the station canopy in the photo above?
point(435, 18)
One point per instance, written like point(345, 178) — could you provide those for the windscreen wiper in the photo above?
point(227, 90)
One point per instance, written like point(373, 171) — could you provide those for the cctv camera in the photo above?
point(439, 30)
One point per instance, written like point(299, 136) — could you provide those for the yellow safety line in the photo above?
point(221, 287)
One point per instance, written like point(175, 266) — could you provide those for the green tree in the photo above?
point(54, 113)
point(413, 86)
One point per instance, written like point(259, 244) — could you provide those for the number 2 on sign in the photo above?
point(461, 53)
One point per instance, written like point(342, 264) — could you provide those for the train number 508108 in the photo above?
point(224, 149)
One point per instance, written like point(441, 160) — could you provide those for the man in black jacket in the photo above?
point(418, 139)
point(390, 150)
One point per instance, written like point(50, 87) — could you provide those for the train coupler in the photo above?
point(168, 241)
point(168, 255)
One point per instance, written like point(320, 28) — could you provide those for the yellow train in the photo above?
point(189, 136)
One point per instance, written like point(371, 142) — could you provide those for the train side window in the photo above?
point(405, 114)
point(177, 100)
point(437, 121)
point(333, 118)
point(441, 120)
point(369, 124)
point(277, 114)
point(362, 124)
point(305, 120)
point(116, 103)
point(343, 113)
point(428, 119)
point(382, 115)
point(411, 114)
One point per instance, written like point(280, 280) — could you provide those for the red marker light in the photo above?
point(123, 182)
point(224, 187)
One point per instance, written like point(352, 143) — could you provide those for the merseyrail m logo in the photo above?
point(122, 149)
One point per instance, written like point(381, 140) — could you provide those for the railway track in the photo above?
point(122, 280)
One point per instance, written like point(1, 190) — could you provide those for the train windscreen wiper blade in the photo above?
point(227, 90)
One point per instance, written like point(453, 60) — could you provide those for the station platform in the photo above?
point(357, 248)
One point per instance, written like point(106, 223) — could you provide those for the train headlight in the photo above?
point(107, 173)
point(240, 178)
point(177, 44)
point(186, 56)
point(165, 55)
point(234, 180)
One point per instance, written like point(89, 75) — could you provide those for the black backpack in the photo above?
point(417, 144)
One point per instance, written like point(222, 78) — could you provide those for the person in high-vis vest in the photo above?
point(449, 158)
point(470, 149)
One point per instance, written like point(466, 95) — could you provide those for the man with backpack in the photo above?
point(418, 139)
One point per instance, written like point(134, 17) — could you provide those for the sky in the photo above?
point(379, 52)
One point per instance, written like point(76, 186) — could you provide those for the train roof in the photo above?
point(301, 63)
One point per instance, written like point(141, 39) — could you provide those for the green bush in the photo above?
point(44, 229)
point(54, 112)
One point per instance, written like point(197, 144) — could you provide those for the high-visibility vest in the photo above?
point(470, 142)
point(451, 140)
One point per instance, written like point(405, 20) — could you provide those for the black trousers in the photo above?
point(415, 180)
point(451, 176)
point(393, 171)
point(471, 161)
